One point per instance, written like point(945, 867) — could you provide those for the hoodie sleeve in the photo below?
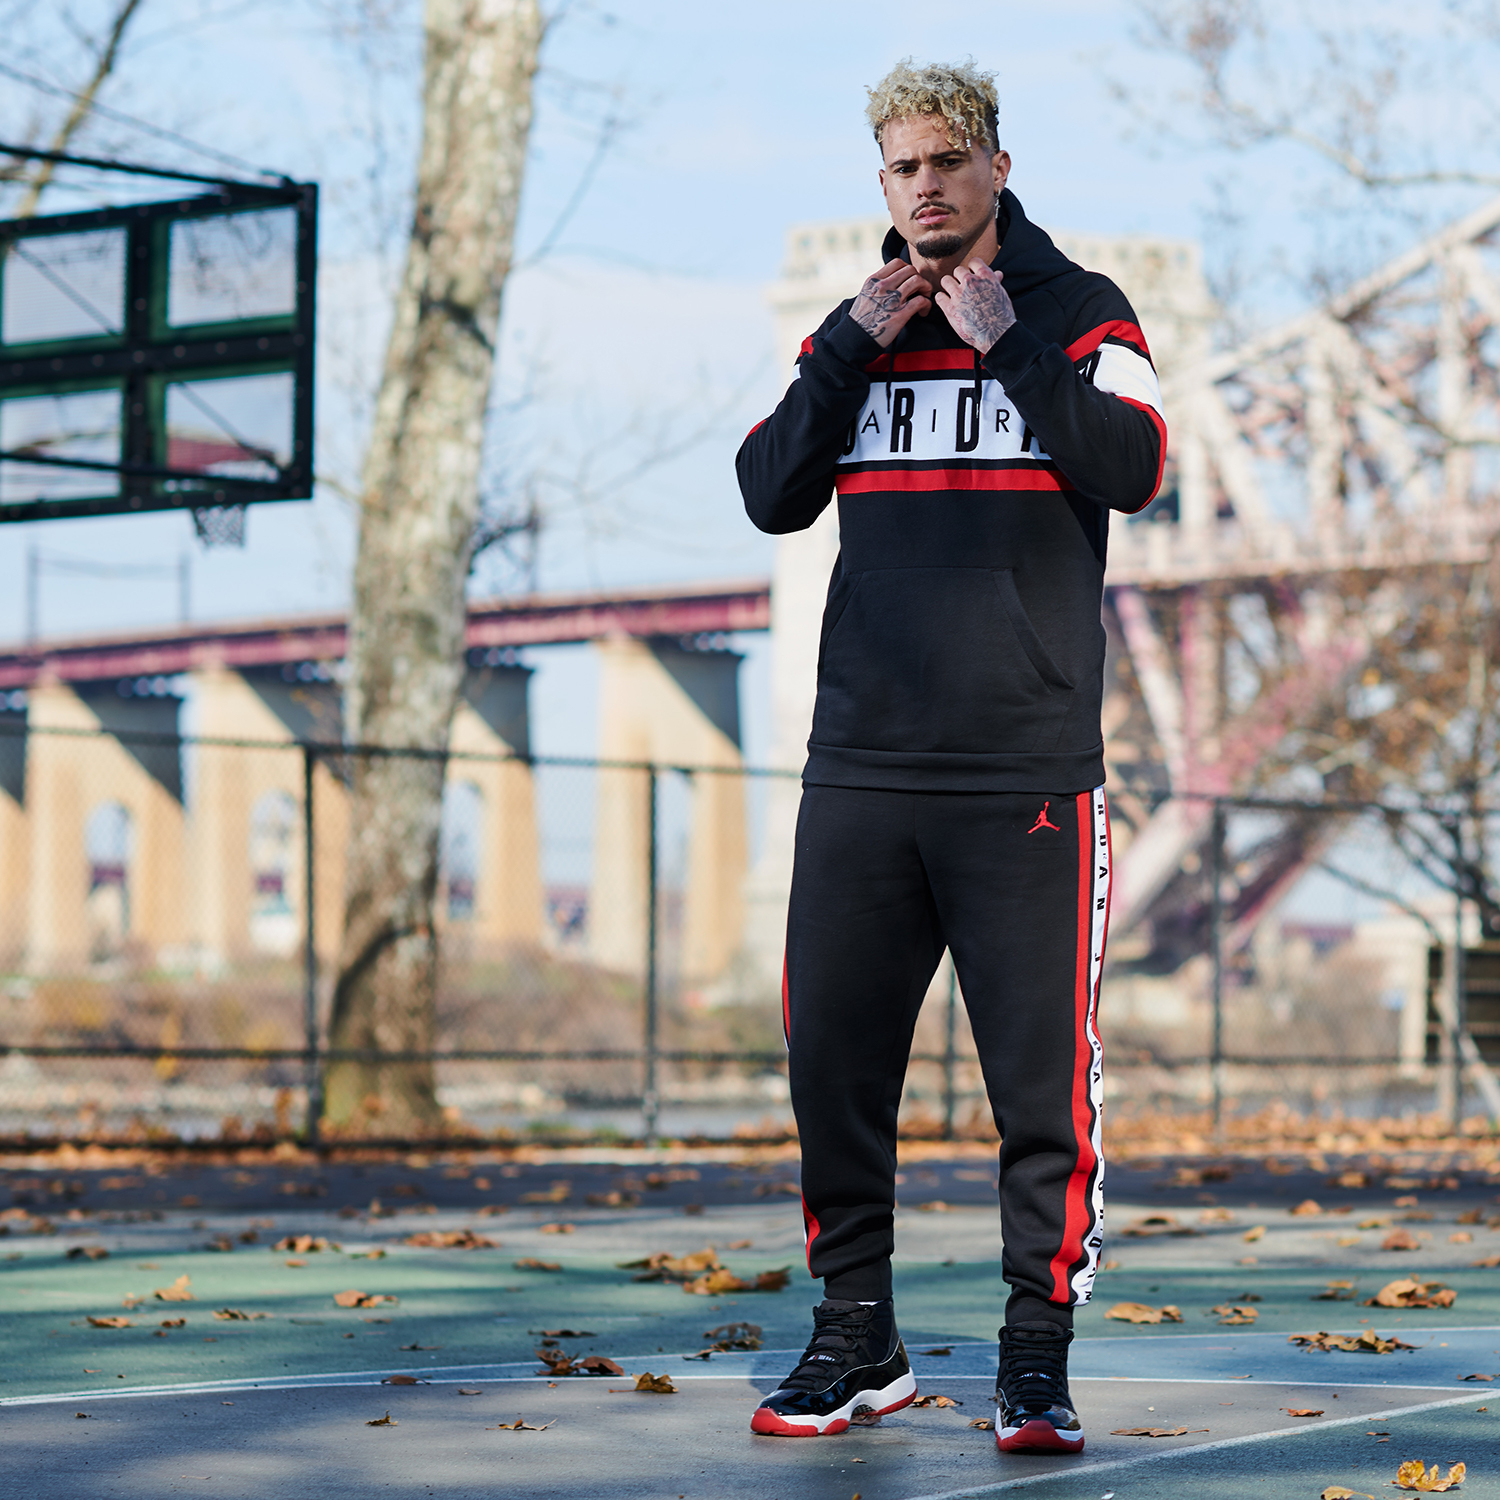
point(1096, 405)
point(786, 463)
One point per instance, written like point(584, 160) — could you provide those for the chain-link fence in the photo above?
point(172, 910)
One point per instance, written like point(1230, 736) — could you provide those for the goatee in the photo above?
point(939, 246)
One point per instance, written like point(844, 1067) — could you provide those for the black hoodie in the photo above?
point(962, 648)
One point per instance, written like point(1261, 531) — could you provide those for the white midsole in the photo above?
point(900, 1387)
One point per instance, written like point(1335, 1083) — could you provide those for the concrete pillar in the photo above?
point(659, 702)
point(504, 906)
point(15, 839)
point(68, 779)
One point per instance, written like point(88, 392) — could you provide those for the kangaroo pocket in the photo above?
point(938, 659)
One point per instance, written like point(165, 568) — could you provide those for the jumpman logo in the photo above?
point(1043, 821)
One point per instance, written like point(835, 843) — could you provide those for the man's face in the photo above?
point(940, 195)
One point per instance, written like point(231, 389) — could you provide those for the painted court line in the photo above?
point(1073, 1471)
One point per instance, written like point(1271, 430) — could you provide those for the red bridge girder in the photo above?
point(529, 620)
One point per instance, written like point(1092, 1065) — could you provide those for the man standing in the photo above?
point(979, 408)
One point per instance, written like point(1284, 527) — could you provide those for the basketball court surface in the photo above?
point(288, 1393)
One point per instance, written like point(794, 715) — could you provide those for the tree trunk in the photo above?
point(419, 504)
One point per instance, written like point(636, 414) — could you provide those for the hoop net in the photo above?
point(220, 525)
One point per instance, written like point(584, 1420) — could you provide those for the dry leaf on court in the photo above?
point(1154, 1431)
point(934, 1353)
point(519, 1425)
point(734, 1336)
point(234, 1315)
point(1335, 1291)
point(353, 1298)
point(575, 1333)
point(1368, 1342)
point(530, 1264)
point(302, 1244)
point(1476, 1377)
point(174, 1322)
point(984, 1424)
point(1303, 1411)
point(1251, 1235)
point(1157, 1224)
point(1413, 1476)
point(1232, 1313)
point(449, 1239)
point(936, 1401)
point(555, 1229)
point(466, 1391)
point(1407, 1292)
point(177, 1292)
point(1400, 1239)
point(1306, 1208)
point(87, 1252)
point(402, 1380)
point(386, 1421)
point(1339, 1492)
point(659, 1385)
point(664, 1267)
point(111, 1322)
point(1139, 1312)
point(597, 1364)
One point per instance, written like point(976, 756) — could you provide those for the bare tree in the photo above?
point(420, 499)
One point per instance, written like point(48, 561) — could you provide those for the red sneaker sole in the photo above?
point(768, 1424)
point(1038, 1437)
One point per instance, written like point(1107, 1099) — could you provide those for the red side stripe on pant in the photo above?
point(810, 1228)
point(786, 1003)
point(1075, 1222)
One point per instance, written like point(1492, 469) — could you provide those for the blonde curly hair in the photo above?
point(960, 92)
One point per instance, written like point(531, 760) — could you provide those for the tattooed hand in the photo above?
point(976, 305)
point(889, 300)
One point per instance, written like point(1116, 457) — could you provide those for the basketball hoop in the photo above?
point(220, 525)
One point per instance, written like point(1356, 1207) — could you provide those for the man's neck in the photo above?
point(986, 245)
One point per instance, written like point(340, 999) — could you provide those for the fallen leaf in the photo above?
point(234, 1315)
point(87, 1252)
point(519, 1425)
point(361, 1299)
point(386, 1421)
point(1154, 1431)
point(111, 1322)
point(934, 1352)
point(1335, 1291)
point(659, 1385)
point(575, 1333)
point(742, 1244)
point(664, 1267)
point(81, 1414)
point(302, 1244)
point(1156, 1224)
point(465, 1391)
point(295, 1262)
point(1463, 1237)
point(936, 1401)
point(529, 1264)
point(1368, 1342)
point(1413, 1476)
point(1400, 1239)
point(1488, 1263)
point(1338, 1492)
point(555, 1229)
point(1407, 1292)
point(174, 1322)
point(1139, 1312)
point(1251, 1235)
point(177, 1292)
point(450, 1239)
point(1306, 1208)
point(402, 1380)
point(413, 1348)
point(984, 1424)
point(1461, 1377)
point(1233, 1314)
point(1303, 1411)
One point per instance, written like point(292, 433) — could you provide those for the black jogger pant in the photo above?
point(1017, 886)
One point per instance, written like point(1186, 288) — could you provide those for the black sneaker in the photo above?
point(1033, 1410)
point(855, 1366)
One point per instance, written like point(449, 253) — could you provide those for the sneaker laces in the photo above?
point(1034, 1370)
point(838, 1328)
